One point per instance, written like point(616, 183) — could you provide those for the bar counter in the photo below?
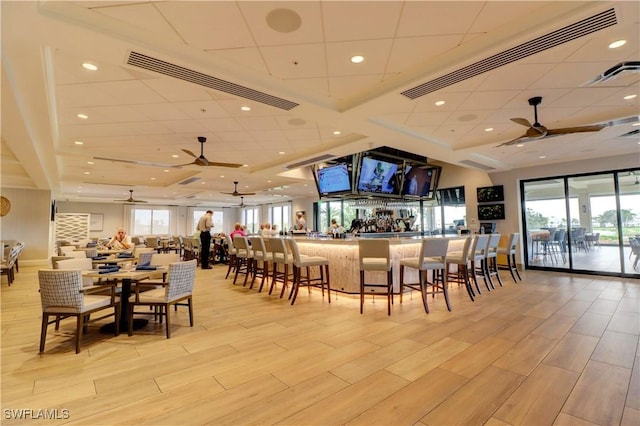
point(343, 259)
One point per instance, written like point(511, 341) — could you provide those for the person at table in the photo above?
point(204, 226)
point(120, 241)
point(301, 223)
point(266, 231)
point(237, 230)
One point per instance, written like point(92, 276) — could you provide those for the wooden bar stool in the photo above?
point(261, 260)
point(375, 256)
point(461, 259)
point(244, 258)
point(233, 259)
point(510, 252)
point(491, 265)
point(307, 262)
point(432, 257)
point(282, 257)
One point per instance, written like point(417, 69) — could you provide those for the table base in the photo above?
point(110, 328)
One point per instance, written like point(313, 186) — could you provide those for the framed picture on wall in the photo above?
point(491, 212)
point(96, 222)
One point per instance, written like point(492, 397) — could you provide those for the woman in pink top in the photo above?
point(237, 231)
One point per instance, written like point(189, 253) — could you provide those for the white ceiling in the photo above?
point(143, 116)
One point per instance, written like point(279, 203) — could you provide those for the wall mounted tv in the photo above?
point(490, 194)
point(420, 181)
point(379, 177)
point(334, 179)
point(491, 212)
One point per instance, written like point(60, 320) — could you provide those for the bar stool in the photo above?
point(510, 252)
point(375, 255)
point(281, 257)
point(478, 257)
point(233, 258)
point(432, 257)
point(462, 259)
point(244, 258)
point(491, 265)
point(261, 260)
point(307, 262)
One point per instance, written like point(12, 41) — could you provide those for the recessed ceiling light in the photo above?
point(153, 178)
point(202, 183)
point(83, 116)
point(79, 143)
point(166, 170)
point(175, 156)
point(268, 181)
point(337, 132)
point(439, 103)
point(89, 66)
point(626, 98)
point(542, 157)
point(489, 129)
point(617, 44)
point(245, 165)
point(357, 59)
point(87, 173)
point(520, 145)
point(90, 162)
point(221, 176)
point(245, 108)
point(281, 153)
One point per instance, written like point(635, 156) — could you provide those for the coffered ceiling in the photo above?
point(171, 71)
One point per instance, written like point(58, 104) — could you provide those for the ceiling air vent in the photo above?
point(476, 165)
point(563, 35)
point(310, 161)
point(172, 70)
point(190, 180)
point(616, 71)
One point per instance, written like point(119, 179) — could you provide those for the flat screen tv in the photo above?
point(334, 179)
point(491, 212)
point(420, 181)
point(490, 194)
point(378, 177)
point(452, 196)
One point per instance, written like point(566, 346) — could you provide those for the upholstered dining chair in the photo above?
point(374, 255)
point(177, 289)
point(62, 296)
point(432, 257)
point(301, 263)
point(233, 258)
point(491, 264)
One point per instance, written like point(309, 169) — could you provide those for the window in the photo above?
point(281, 217)
point(217, 219)
point(151, 221)
point(251, 219)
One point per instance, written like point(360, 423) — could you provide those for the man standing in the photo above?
point(204, 226)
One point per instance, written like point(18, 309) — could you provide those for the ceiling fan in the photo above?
point(131, 199)
point(202, 160)
point(537, 131)
point(235, 192)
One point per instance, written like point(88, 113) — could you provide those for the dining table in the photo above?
point(126, 278)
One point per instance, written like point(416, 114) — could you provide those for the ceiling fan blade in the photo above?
point(521, 139)
point(142, 163)
point(189, 152)
point(522, 121)
point(579, 129)
point(233, 165)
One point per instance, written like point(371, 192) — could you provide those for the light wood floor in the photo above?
point(554, 349)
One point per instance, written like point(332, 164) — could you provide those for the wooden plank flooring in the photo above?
point(553, 350)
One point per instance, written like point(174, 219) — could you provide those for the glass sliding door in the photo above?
point(593, 238)
point(629, 189)
point(584, 223)
point(545, 220)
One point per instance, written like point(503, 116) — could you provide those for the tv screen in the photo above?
point(452, 196)
point(490, 194)
point(420, 181)
point(491, 212)
point(378, 176)
point(333, 179)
